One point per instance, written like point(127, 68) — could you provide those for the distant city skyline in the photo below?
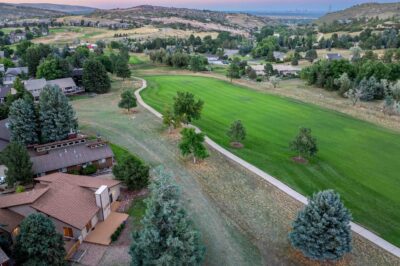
point(222, 5)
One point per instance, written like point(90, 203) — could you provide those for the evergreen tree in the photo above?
point(237, 132)
point(304, 144)
point(133, 172)
point(39, 243)
point(192, 144)
point(321, 230)
point(19, 166)
point(95, 77)
point(268, 70)
point(311, 55)
point(22, 122)
point(167, 236)
point(186, 107)
point(128, 100)
point(121, 69)
point(57, 117)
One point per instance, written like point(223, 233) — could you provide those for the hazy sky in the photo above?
point(249, 5)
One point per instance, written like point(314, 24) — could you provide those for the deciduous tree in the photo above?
point(321, 230)
point(186, 106)
point(95, 77)
point(133, 172)
point(237, 132)
point(192, 144)
point(128, 100)
point(304, 143)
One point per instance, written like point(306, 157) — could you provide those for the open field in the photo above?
point(356, 158)
point(240, 216)
point(68, 34)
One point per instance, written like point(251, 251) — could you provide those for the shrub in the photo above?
point(89, 170)
point(117, 232)
point(19, 189)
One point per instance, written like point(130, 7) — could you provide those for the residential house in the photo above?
point(2, 69)
point(67, 85)
point(81, 207)
point(279, 56)
point(4, 134)
point(2, 54)
point(333, 56)
point(35, 87)
point(71, 155)
point(16, 37)
point(4, 91)
point(286, 70)
point(12, 73)
point(4, 259)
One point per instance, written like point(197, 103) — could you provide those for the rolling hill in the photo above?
point(204, 19)
point(12, 12)
point(367, 10)
point(76, 10)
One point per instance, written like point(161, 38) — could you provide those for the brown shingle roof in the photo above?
point(69, 156)
point(69, 203)
point(10, 219)
point(3, 257)
point(23, 198)
point(79, 180)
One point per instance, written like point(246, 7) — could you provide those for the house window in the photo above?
point(68, 232)
point(88, 226)
point(64, 170)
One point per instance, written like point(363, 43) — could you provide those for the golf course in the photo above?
point(356, 158)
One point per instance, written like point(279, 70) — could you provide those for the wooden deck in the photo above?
point(103, 230)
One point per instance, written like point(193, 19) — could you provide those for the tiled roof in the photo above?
point(4, 90)
point(35, 86)
point(15, 71)
point(9, 219)
point(22, 198)
point(69, 156)
point(4, 131)
point(69, 203)
point(82, 181)
point(3, 257)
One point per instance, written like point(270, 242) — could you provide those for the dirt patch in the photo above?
point(236, 145)
point(300, 160)
point(127, 197)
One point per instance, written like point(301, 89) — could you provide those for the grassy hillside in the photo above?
point(196, 18)
point(368, 10)
point(356, 158)
point(9, 11)
point(77, 10)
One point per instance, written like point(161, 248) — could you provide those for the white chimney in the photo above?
point(103, 201)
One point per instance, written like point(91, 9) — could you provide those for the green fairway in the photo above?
point(356, 158)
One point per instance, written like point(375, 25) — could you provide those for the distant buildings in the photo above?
point(12, 73)
point(333, 56)
point(279, 56)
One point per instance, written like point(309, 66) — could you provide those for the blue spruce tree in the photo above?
point(321, 230)
point(167, 237)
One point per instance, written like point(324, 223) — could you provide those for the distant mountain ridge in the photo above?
point(11, 11)
point(194, 17)
point(70, 9)
point(367, 10)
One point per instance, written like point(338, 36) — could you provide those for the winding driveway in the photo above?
point(281, 186)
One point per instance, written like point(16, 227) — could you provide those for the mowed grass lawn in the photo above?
point(356, 158)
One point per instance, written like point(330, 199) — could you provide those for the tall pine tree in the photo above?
point(57, 117)
point(18, 163)
point(22, 122)
point(321, 230)
point(167, 236)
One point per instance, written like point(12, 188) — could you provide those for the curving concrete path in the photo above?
point(294, 194)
